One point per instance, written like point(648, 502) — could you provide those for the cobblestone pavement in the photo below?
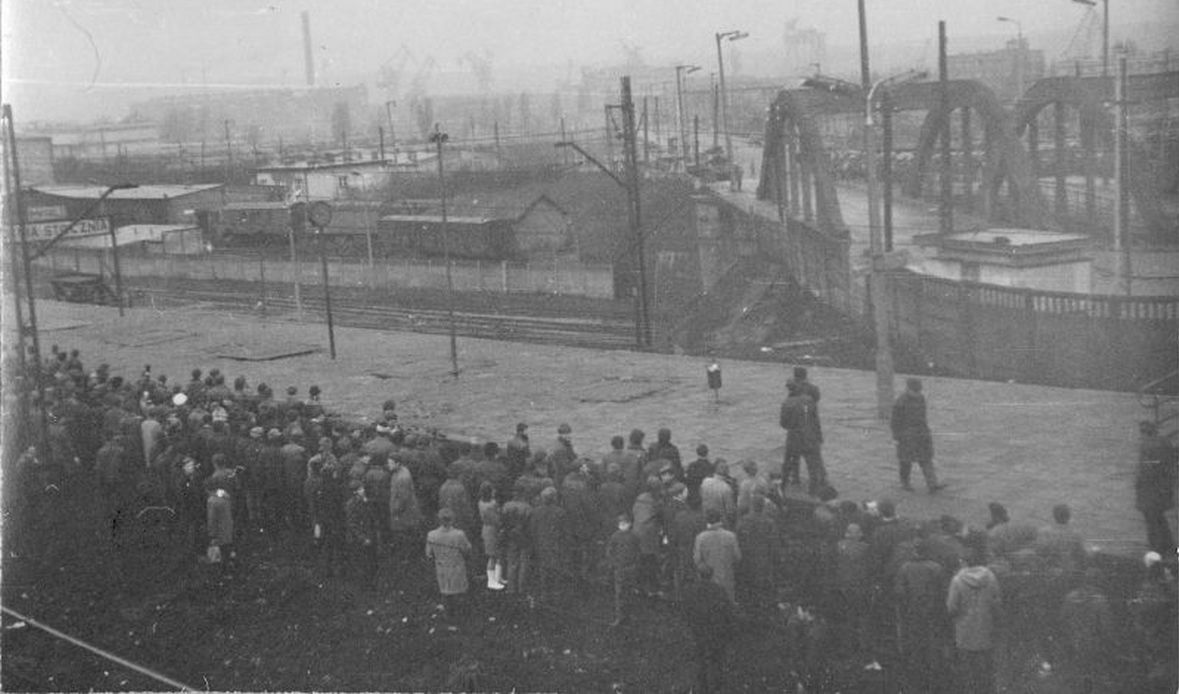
point(1028, 447)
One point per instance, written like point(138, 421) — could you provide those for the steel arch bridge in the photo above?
point(1002, 181)
point(1150, 175)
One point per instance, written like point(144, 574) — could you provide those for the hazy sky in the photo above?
point(65, 58)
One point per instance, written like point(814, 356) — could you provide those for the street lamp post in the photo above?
point(439, 138)
point(1019, 54)
point(680, 71)
point(880, 247)
point(724, 95)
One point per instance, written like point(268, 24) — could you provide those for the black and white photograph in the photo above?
point(629, 346)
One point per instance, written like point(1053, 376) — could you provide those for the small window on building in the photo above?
point(971, 272)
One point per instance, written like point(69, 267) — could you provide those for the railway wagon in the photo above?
point(476, 238)
point(267, 225)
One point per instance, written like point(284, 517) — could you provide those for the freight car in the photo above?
point(465, 237)
point(267, 225)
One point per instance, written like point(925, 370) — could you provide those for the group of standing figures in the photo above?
point(935, 603)
point(799, 416)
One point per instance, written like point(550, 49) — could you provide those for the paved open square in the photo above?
point(1029, 447)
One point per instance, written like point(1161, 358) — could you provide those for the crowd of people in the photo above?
point(935, 601)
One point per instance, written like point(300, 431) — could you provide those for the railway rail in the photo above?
point(598, 332)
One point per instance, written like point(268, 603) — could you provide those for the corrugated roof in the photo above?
point(145, 192)
point(232, 206)
point(433, 219)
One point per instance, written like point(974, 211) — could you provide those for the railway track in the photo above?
point(598, 332)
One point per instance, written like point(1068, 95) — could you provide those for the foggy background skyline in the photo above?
point(85, 59)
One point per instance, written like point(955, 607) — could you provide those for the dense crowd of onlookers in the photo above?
point(223, 463)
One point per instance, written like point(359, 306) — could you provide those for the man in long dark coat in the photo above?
point(910, 430)
point(804, 439)
point(919, 586)
point(757, 535)
point(1155, 487)
point(547, 528)
point(711, 617)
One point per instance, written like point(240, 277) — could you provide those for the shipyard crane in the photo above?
point(481, 66)
point(390, 73)
point(420, 104)
point(1086, 40)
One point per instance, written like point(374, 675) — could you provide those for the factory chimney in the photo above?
point(308, 61)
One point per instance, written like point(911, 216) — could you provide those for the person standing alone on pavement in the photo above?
point(910, 430)
point(804, 438)
point(1154, 488)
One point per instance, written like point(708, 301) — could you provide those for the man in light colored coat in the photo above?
point(717, 549)
point(716, 494)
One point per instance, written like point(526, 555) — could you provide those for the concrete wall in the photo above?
point(1064, 277)
point(577, 280)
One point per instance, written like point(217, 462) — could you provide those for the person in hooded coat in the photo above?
point(973, 603)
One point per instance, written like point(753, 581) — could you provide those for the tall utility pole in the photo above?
point(696, 138)
point(630, 154)
point(228, 152)
point(631, 194)
point(658, 123)
point(886, 165)
point(946, 197)
point(715, 114)
point(22, 228)
point(296, 225)
point(439, 138)
point(115, 261)
point(609, 137)
point(680, 71)
point(1121, 197)
point(565, 153)
point(646, 134)
point(877, 279)
point(319, 213)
